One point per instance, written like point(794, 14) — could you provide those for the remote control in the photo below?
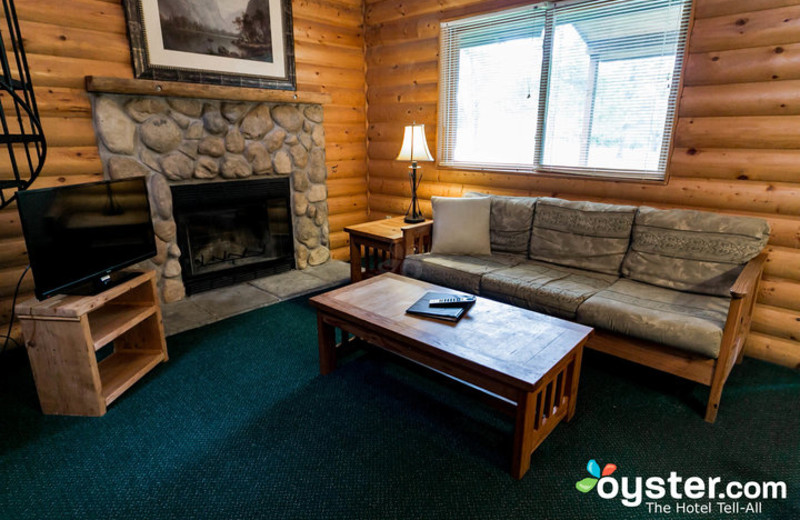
point(456, 301)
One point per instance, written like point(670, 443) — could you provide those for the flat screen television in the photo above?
point(80, 236)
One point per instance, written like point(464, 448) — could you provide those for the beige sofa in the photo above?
point(670, 289)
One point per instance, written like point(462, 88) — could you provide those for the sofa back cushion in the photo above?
point(511, 222)
point(587, 235)
point(694, 251)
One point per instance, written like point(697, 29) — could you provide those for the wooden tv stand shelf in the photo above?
point(63, 333)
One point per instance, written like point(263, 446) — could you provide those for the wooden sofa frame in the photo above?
point(710, 372)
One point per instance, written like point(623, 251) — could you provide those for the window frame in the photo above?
point(537, 169)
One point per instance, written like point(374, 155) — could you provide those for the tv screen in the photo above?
point(79, 234)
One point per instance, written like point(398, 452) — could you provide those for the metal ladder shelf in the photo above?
point(20, 126)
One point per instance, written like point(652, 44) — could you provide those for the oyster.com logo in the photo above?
point(588, 484)
point(682, 495)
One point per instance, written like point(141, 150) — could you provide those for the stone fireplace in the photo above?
point(187, 146)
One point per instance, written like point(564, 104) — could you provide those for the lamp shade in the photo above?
point(415, 148)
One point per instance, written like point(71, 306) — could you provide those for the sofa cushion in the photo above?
point(460, 272)
point(691, 322)
point(461, 225)
point(588, 235)
point(510, 223)
point(691, 250)
point(544, 287)
point(510, 227)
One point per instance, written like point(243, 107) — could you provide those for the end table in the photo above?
point(377, 247)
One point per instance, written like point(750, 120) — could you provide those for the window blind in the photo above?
point(485, 87)
point(582, 87)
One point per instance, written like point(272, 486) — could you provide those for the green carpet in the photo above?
point(240, 425)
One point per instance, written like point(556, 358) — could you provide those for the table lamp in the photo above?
point(414, 149)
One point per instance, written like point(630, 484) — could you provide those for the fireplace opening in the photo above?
point(231, 232)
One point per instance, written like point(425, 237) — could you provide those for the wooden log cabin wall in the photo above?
point(67, 41)
point(736, 150)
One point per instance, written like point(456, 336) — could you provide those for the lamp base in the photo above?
point(413, 220)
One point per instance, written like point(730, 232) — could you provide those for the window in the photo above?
point(581, 87)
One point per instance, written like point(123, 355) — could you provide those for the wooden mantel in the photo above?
point(143, 87)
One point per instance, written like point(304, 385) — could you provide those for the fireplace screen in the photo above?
point(231, 232)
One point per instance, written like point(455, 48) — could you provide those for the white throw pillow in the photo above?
point(461, 225)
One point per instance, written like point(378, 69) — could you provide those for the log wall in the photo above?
point(89, 37)
point(736, 151)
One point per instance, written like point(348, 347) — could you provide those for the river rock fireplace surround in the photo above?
point(180, 143)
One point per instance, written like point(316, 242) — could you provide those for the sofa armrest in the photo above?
point(748, 279)
point(417, 238)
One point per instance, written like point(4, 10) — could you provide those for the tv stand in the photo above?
point(63, 333)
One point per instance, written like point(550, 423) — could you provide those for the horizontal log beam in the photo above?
point(739, 132)
point(9, 277)
point(327, 34)
point(56, 101)
point(771, 63)
point(746, 30)
point(783, 262)
point(83, 14)
point(407, 52)
point(346, 186)
point(408, 93)
point(68, 131)
point(709, 8)
point(414, 28)
point(346, 169)
point(13, 252)
point(308, 53)
point(339, 239)
point(345, 151)
point(330, 13)
point(342, 253)
point(61, 161)
point(778, 322)
point(347, 204)
point(736, 163)
point(329, 76)
point(10, 227)
point(775, 350)
point(403, 113)
point(403, 74)
point(73, 42)
point(58, 71)
point(779, 98)
point(342, 220)
point(780, 292)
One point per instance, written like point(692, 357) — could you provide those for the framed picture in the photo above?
point(243, 43)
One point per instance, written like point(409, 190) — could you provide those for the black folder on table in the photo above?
point(422, 308)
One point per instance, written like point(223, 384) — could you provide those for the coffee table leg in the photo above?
point(574, 377)
point(523, 435)
point(326, 334)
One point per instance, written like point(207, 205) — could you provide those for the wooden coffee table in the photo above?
point(524, 358)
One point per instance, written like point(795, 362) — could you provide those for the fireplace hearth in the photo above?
point(231, 232)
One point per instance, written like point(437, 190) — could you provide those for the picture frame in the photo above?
point(242, 43)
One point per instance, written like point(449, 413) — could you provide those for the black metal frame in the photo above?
point(28, 139)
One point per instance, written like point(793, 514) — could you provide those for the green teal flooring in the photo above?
point(240, 425)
